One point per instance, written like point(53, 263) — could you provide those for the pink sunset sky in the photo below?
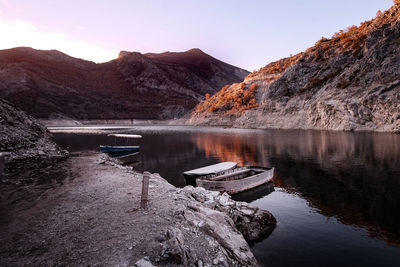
point(247, 34)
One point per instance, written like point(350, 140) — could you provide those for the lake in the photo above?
point(335, 195)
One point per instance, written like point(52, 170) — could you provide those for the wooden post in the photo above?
point(145, 190)
point(2, 162)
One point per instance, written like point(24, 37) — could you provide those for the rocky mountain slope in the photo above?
point(50, 84)
point(23, 138)
point(348, 82)
point(31, 153)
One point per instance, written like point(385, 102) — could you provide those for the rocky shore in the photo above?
point(93, 218)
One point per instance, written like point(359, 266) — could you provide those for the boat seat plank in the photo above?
point(222, 177)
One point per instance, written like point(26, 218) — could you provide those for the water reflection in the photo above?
point(353, 177)
point(256, 193)
point(228, 147)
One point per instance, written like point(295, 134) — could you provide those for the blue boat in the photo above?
point(119, 149)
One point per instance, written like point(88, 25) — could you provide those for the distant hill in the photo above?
point(348, 82)
point(50, 84)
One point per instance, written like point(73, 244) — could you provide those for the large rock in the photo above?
point(212, 229)
point(252, 222)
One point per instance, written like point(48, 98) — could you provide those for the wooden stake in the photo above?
point(145, 190)
point(2, 162)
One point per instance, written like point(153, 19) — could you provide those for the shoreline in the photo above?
point(60, 125)
point(92, 217)
point(124, 122)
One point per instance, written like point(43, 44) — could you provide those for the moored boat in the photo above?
point(119, 149)
point(236, 180)
point(126, 135)
point(190, 176)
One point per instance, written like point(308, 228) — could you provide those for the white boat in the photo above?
point(236, 180)
point(190, 176)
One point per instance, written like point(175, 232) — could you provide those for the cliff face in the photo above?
point(50, 84)
point(348, 82)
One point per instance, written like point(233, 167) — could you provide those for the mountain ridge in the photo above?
point(48, 83)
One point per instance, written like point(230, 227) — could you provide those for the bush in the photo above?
point(230, 100)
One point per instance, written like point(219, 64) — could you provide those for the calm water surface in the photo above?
point(336, 196)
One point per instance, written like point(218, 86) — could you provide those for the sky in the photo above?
point(248, 34)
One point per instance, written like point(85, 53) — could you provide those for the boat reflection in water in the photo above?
point(255, 193)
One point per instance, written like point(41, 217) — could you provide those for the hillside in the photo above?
point(23, 137)
point(30, 148)
point(348, 82)
point(50, 84)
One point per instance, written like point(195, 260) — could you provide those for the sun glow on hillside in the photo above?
point(17, 33)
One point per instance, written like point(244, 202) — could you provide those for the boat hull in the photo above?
point(190, 176)
point(119, 149)
point(227, 182)
point(120, 154)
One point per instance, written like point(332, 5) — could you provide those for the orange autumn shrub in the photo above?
point(230, 100)
point(353, 38)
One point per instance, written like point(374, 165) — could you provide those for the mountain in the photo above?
point(50, 84)
point(348, 82)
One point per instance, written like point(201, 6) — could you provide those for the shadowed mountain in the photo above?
point(50, 84)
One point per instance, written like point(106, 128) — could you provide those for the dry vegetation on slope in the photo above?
point(233, 100)
point(348, 82)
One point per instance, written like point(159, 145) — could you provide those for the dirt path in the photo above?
point(94, 219)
